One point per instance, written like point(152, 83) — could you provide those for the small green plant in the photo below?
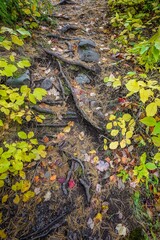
point(148, 51)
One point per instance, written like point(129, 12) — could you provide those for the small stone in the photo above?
point(47, 174)
point(24, 79)
point(46, 84)
point(82, 79)
point(86, 43)
point(89, 56)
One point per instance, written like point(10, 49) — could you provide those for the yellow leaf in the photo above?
point(105, 147)
point(28, 195)
point(151, 109)
point(132, 86)
point(5, 198)
point(114, 133)
point(6, 44)
point(26, 11)
point(16, 199)
point(129, 134)
point(1, 183)
point(96, 159)
point(17, 40)
point(142, 83)
point(25, 186)
point(123, 131)
point(67, 129)
point(145, 94)
point(121, 123)
point(113, 145)
point(22, 174)
point(157, 101)
point(112, 117)
point(128, 141)
point(98, 217)
point(123, 143)
point(132, 123)
point(2, 234)
point(116, 83)
point(109, 126)
point(126, 117)
point(115, 124)
point(92, 151)
point(12, 58)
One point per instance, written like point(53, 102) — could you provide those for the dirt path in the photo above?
point(78, 195)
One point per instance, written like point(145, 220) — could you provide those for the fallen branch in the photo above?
point(63, 38)
point(84, 181)
point(72, 62)
point(84, 115)
point(57, 222)
point(64, 189)
point(42, 110)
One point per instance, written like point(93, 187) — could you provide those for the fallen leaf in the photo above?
point(47, 196)
point(98, 217)
point(90, 223)
point(98, 188)
point(121, 229)
point(71, 184)
point(102, 166)
point(36, 179)
point(67, 129)
point(37, 190)
point(53, 177)
point(45, 139)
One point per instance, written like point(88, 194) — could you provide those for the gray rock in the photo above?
point(86, 43)
point(89, 56)
point(24, 79)
point(46, 84)
point(82, 78)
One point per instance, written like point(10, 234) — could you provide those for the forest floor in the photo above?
point(78, 193)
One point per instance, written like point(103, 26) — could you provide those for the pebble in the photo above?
point(86, 43)
point(46, 84)
point(88, 55)
point(82, 79)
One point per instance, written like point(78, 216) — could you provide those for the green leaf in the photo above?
point(4, 165)
point(150, 166)
point(39, 93)
point(23, 32)
point(157, 44)
point(23, 64)
point(148, 121)
point(156, 129)
point(22, 135)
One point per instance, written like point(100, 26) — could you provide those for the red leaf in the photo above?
point(121, 100)
point(71, 183)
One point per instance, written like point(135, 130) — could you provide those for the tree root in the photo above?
point(94, 68)
point(56, 223)
point(92, 123)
